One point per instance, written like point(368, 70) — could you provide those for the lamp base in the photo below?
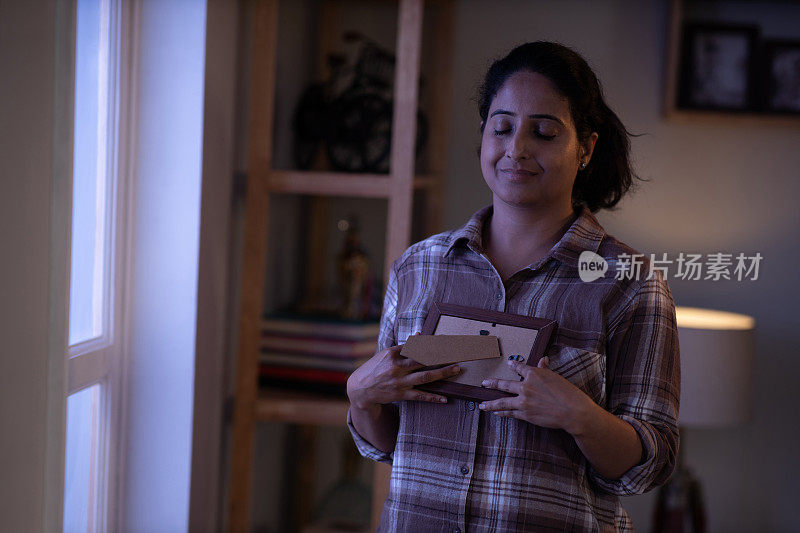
point(680, 507)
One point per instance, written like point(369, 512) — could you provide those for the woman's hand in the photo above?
point(543, 398)
point(389, 377)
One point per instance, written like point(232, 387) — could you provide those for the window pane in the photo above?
point(89, 228)
point(80, 476)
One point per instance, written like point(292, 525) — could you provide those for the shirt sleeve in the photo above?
point(386, 338)
point(365, 448)
point(644, 384)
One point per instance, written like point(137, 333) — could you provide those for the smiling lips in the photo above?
point(518, 173)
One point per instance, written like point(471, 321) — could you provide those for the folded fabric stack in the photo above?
point(316, 355)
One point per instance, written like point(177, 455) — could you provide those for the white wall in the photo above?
point(166, 209)
point(714, 188)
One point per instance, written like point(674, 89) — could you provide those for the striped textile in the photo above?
point(456, 468)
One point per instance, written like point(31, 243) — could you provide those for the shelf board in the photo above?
point(339, 183)
point(274, 405)
point(330, 183)
point(427, 182)
point(718, 118)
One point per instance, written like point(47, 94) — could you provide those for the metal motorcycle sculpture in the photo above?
point(351, 113)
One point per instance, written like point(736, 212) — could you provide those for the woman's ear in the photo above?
point(587, 148)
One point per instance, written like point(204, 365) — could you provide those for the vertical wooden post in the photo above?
point(300, 472)
point(404, 129)
point(320, 206)
point(440, 87)
point(259, 165)
point(675, 16)
point(401, 174)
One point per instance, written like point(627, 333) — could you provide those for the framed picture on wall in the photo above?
point(782, 76)
point(717, 67)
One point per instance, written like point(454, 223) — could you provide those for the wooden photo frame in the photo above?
point(717, 67)
point(522, 337)
point(781, 76)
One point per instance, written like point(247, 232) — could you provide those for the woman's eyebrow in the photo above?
point(538, 115)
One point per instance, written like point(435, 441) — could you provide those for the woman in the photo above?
point(597, 418)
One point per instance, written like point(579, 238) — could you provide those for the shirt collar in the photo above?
point(585, 233)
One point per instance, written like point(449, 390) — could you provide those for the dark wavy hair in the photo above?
point(609, 175)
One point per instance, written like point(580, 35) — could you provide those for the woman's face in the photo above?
point(529, 149)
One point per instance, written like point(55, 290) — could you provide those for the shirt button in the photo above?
point(458, 530)
point(471, 406)
point(499, 295)
point(464, 469)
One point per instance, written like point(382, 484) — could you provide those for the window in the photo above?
point(96, 311)
point(80, 490)
point(90, 213)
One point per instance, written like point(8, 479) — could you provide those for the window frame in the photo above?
point(103, 359)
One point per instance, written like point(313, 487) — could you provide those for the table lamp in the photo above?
point(716, 350)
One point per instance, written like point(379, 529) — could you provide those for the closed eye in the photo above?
point(500, 133)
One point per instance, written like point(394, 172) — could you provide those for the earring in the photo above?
point(583, 165)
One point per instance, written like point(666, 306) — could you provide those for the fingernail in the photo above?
point(456, 369)
point(482, 406)
point(484, 383)
point(442, 400)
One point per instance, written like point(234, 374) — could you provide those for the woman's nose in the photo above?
point(518, 147)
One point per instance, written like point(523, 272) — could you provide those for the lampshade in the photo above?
point(716, 350)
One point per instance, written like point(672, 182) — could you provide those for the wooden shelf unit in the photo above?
point(252, 405)
point(340, 183)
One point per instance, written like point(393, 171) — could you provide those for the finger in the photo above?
point(421, 396)
point(405, 362)
point(519, 368)
point(396, 356)
point(544, 362)
point(426, 376)
point(502, 404)
point(394, 351)
point(503, 384)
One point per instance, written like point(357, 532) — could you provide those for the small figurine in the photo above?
point(356, 281)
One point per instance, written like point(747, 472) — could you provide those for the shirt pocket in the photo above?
point(584, 369)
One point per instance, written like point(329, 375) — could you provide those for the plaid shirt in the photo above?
point(456, 468)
